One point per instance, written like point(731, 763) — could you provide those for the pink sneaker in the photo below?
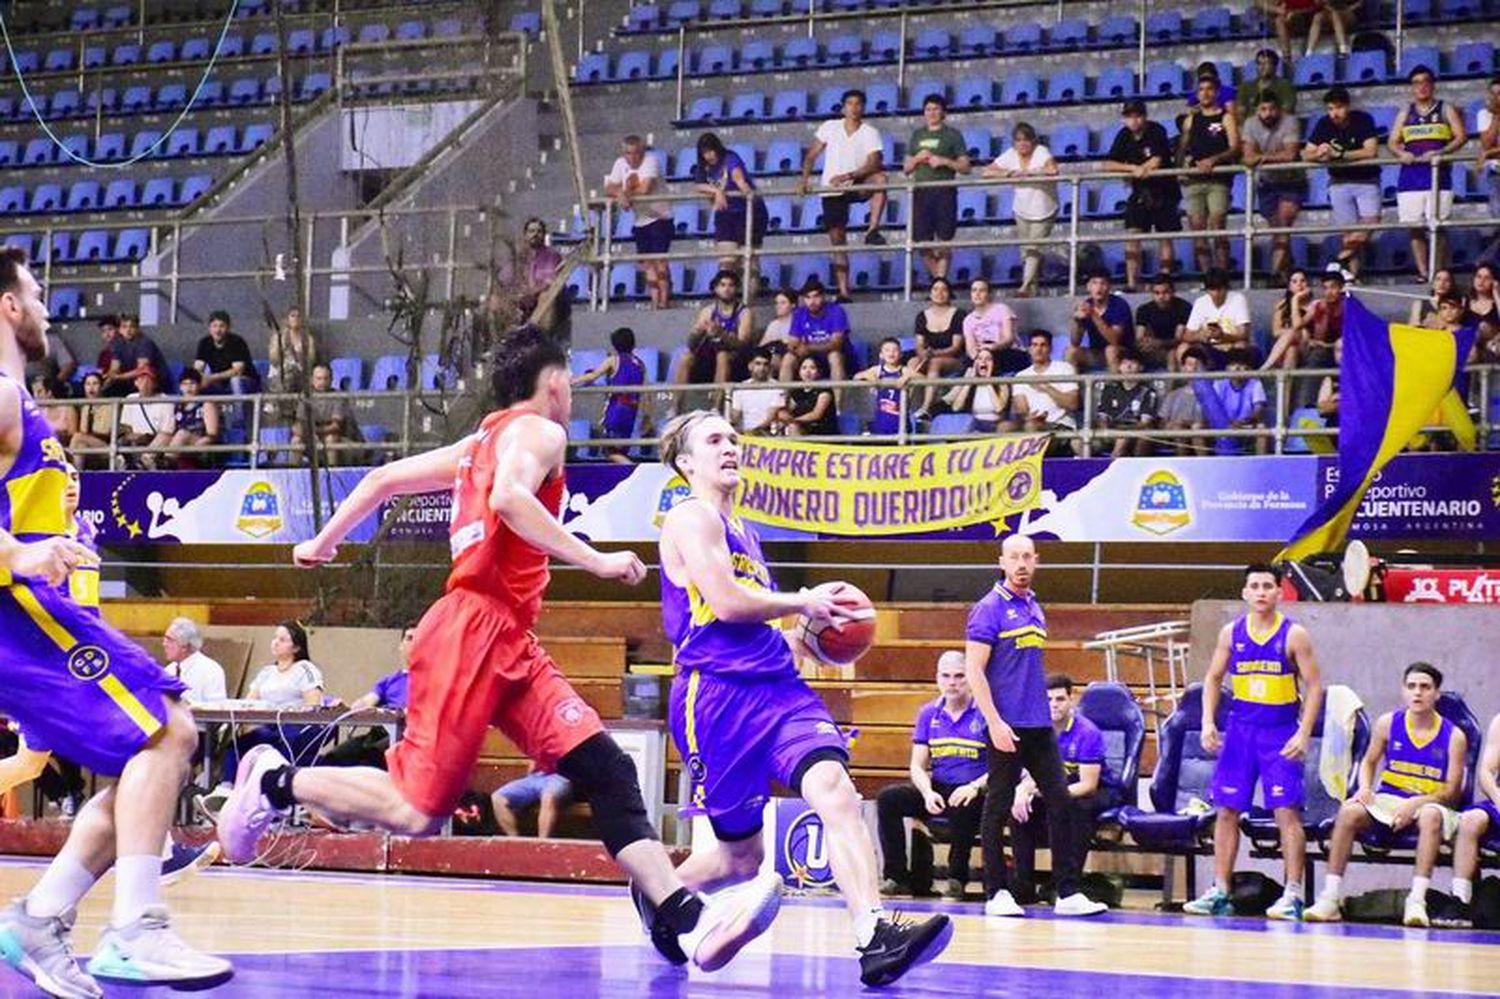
point(247, 814)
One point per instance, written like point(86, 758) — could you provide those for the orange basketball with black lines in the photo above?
point(843, 643)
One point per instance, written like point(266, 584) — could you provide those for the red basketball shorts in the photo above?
point(474, 666)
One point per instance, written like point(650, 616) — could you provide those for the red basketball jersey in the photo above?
point(488, 557)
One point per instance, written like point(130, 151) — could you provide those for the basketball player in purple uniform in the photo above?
point(1264, 655)
point(1421, 782)
point(740, 713)
point(77, 686)
point(623, 368)
point(1475, 823)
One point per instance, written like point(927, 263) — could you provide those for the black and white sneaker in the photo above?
point(900, 945)
point(661, 938)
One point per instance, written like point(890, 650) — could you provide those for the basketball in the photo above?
point(840, 644)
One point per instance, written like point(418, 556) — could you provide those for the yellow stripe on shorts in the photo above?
point(42, 617)
point(128, 703)
point(692, 705)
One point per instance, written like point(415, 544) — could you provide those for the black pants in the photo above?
point(367, 749)
point(1027, 836)
point(904, 801)
point(1036, 752)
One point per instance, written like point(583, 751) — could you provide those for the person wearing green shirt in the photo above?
point(937, 151)
point(1268, 80)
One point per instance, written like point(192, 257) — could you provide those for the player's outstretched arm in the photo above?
point(695, 534)
point(421, 473)
point(531, 449)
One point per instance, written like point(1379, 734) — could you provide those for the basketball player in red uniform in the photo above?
point(476, 664)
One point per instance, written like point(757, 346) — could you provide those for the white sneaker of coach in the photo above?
point(1003, 904)
point(1079, 904)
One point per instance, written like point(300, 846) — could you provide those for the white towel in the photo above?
point(1336, 759)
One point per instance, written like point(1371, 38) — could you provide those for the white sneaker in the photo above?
point(149, 952)
point(1324, 910)
point(731, 920)
point(1079, 904)
point(1003, 904)
point(1416, 912)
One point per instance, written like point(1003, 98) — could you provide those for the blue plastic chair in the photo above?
point(1020, 88)
point(1316, 70)
point(131, 245)
point(749, 106)
point(799, 53)
point(1115, 83)
point(757, 55)
point(1164, 26)
point(977, 40)
point(932, 43)
point(1117, 30)
point(1068, 35)
point(974, 92)
point(1113, 710)
point(844, 50)
point(157, 192)
point(1025, 37)
point(83, 196)
point(1367, 66)
point(120, 194)
point(632, 65)
point(1066, 87)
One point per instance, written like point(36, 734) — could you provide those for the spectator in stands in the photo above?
point(939, 333)
point(96, 423)
point(1424, 129)
point(195, 422)
point(1343, 138)
point(182, 646)
point(149, 421)
point(622, 367)
point(854, 149)
point(293, 350)
point(949, 772)
point(1210, 139)
point(1228, 96)
point(754, 405)
point(1424, 756)
point(1487, 166)
point(58, 366)
point(62, 418)
point(290, 681)
point(637, 175)
point(1452, 309)
point(738, 214)
point(990, 324)
point(367, 749)
point(1426, 308)
point(1128, 404)
point(1339, 16)
point(1274, 136)
point(1035, 204)
point(535, 265)
point(1484, 309)
point(1291, 17)
point(1046, 405)
point(937, 152)
point(819, 328)
point(778, 331)
point(988, 405)
point(109, 329)
point(724, 328)
point(1140, 149)
point(548, 792)
point(811, 411)
point(1091, 789)
point(1180, 409)
point(891, 376)
point(1268, 80)
point(1289, 322)
point(1328, 390)
point(1220, 319)
point(1473, 826)
point(1161, 324)
point(333, 420)
point(1325, 322)
point(1102, 327)
point(223, 359)
point(131, 353)
point(1244, 401)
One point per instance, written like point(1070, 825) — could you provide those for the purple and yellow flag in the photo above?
point(1395, 380)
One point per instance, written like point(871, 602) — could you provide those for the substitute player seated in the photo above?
point(1477, 822)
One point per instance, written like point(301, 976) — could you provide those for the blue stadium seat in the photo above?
point(724, 10)
point(219, 141)
point(120, 194)
point(193, 188)
point(783, 156)
point(864, 270)
point(95, 57)
point(58, 249)
point(626, 281)
point(684, 163)
point(83, 18)
point(160, 52)
point(809, 215)
point(128, 54)
point(1183, 772)
point(348, 373)
point(844, 50)
point(131, 245)
point(1213, 23)
point(411, 31)
point(64, 303)
point(885, 46)
point(93, 245)
point(683, 12)
point(1473, 59)
point(749, 106)
point(182, 143)
point(74, 148)
point(157, 192)
point(210, 95)
point(389, 373)
point(632, 65)
point(779, 214)
point(974, 92)
point(136, 100)
point(1115, 83)
point(788, 105)
point(1419, 55)
point(196, 50)
point(339, 35)
point(799, 53)
point(1066, 87)
point(255, 136)
point(106, 100)
point(65, 104)
point(1117, 30)
point(917, 92)
point(314, 84)
point(1113, 710)
point(83, 196)
point(1392, 253)
point(39, 152)
point(757, 55)
point(374, 33)
point(884, 98)
point(966, 265)
point(1068, 35)
point(46, 198)
point(972, 204)
point(264, 44)
point(1069, 141)
point(1025, 37)
point(1316, 70)
point(1458, 10)
point(715, 60)
point(271, 88)
point(666, 65)
point(12, 200)
point(1020, 88)
point(58, 61)
point(977, 40)
point(1367, 66)
point(232, 47)
point(1164, 80)
point(1164, 26)
point(302, 42)
point(20, 240)
point(117, 16)
point(932, 43)
point(246, 91)
point(643, 17)
point(978, 141)
point(705, 109)
point(767, 8)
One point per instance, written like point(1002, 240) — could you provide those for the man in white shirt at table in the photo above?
point(183, 646)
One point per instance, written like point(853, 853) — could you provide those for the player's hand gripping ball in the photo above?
point(840, 626)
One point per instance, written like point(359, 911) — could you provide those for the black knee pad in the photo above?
point(602, 772)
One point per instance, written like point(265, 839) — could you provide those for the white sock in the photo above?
point(864, 925)
point(137, 887)
point(1463, 890)
point(1222, 887)
point(63, 885)
point(166, 848)
point(1333, 886)
point(1419, 886)
point(1293, 890)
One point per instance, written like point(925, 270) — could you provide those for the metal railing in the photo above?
point(605, 244)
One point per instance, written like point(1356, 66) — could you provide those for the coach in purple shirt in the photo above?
point(1006, 635)
point(1091, 788)
point(948, 777)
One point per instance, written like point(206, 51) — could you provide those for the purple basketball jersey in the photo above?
point(1413, 768)
point(1262, 674)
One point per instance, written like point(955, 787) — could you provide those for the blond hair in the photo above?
point(674, 436)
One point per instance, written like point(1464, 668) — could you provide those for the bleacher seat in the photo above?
point(1025, 37)
point(64, 104)
point(715, 60)
point(885, 46)
point(750, 106)
point(9, 152)
point(1473, 59)
point(64, 303)
point(799, 53)
point(1419, 55)
point(255, 136)
point(219, 141)
point(884, 98)
point(334, 37)
point(1164, 80)
point(1164, 26)
point(1115, 83)
point(1117, 30)
point(348, 373)
point(1069, 141)
point(314, 84)
point(1113, 710)
point(783, 156)
point(83, 196)
point(1068, 35)
point(1213, 23)
point(977, 40)
point(1367, 66)
point(12, 200)
point(83, 18)
point(932, 43)
point(1183, 772)
point(1316, 70)
point(1020, 88)
point(724, 10)
point(788, 105)
point(46, 198)
point(93, 245)
point(132, 244)
point(844, 50)
point(411, 31)
point(157, 192)
point(193, 188)
point(136, 100)
point(374, 33)
point(161, 52)
point(182, 143)
point(978, 142)
point(389, 373)
point(757, 55)
point(128, 54)
point(1066, 87)
point(95, 57)
point(594, 67)
point(146, 142)
point(120, 194)
point(705, 109)
point(58, 61)
point(1450, 11)
point(75, 149)
point(196, 50)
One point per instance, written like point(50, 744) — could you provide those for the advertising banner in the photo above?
point(1442, 586)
